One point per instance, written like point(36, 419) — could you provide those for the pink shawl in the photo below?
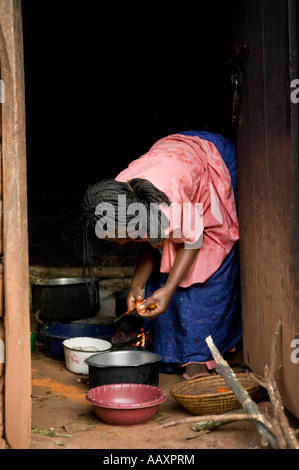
point(190, 170)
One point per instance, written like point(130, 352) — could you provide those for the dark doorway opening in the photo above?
point(101, 87)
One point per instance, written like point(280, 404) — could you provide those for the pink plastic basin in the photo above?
point(125, 404)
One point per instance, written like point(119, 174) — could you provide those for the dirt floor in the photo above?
point(63, 419)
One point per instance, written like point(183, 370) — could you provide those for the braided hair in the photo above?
point(108, 192)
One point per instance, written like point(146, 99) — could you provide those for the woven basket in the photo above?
point(200, 396)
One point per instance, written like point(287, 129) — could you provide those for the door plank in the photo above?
point(15, 231)
point(267, 190)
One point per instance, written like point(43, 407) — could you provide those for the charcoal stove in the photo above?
point(129, 334)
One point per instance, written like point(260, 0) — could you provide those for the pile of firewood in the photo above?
point(275, 431)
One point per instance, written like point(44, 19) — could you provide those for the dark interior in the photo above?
point(102, 85)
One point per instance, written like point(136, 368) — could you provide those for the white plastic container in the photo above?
point(76, 350)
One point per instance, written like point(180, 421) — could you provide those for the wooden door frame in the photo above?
point(293, 21)
point(17, 389)
point(15, 226)
point(268, 186)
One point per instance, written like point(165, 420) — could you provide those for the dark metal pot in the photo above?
point(64, 299)
point(140, 367)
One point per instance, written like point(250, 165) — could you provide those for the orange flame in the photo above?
point(141, 339)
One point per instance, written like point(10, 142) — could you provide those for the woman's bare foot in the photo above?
point(195, 370)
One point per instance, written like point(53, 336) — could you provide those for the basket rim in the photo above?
point(197, 396)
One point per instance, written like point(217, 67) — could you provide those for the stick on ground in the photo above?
point(251, 408)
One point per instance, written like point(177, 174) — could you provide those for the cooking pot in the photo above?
point(123, 367)
point(64, 299)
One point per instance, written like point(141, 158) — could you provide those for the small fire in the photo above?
point(141, 339)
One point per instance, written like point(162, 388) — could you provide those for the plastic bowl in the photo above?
point(125, 404)
point(54, 335)
point(77, 349)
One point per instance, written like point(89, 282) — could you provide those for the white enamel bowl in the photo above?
point(77, 350)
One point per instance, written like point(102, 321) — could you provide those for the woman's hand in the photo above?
point(156, 304)
point(135, 294)
point(145, 264)
point(161, 297)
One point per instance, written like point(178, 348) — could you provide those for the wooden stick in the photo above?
point(271, 386)
point(262, 425)
point(223, 419)
point(228, 417)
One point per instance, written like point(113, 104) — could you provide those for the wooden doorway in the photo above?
point(267, 149)
point(14, 235)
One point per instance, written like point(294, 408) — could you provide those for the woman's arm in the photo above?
point(161, 297)
point(146, 259)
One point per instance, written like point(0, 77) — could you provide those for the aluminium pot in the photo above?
point(113, 367)
point(64, 299)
